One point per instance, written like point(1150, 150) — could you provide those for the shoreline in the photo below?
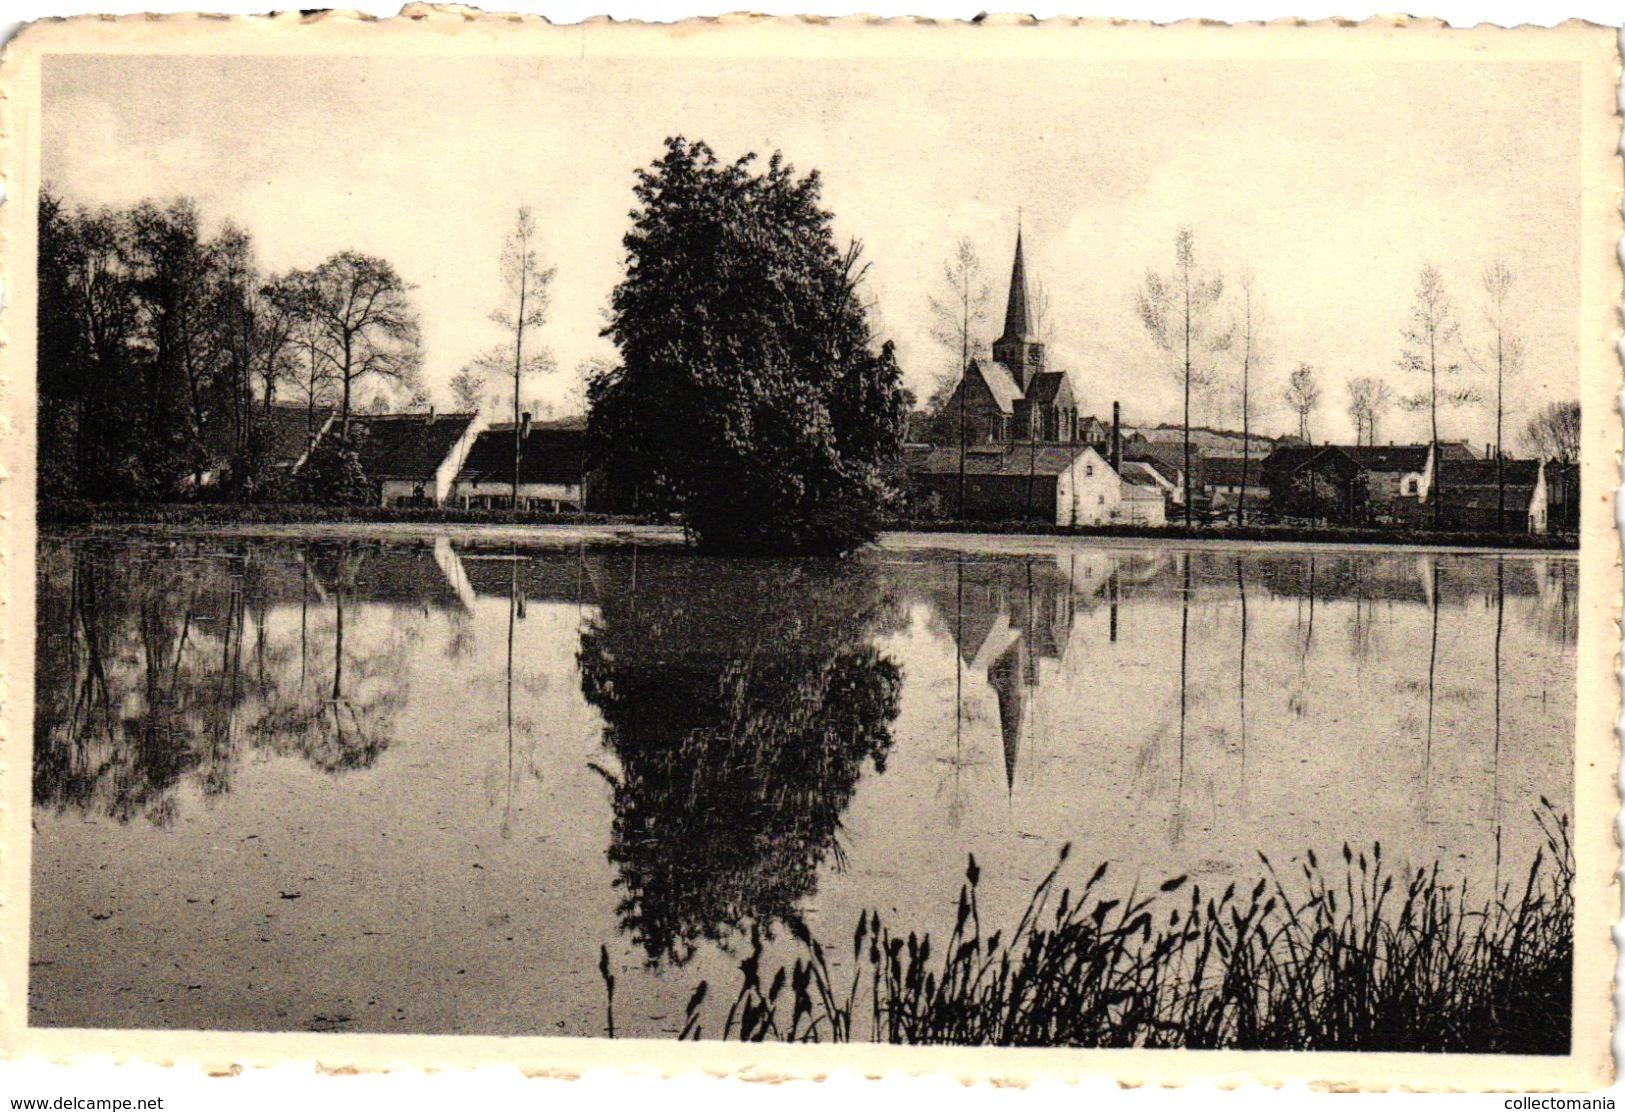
point(609, 532)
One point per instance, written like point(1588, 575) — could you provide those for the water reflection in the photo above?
point(554, 749)
point(141, 686)
point(742, 710)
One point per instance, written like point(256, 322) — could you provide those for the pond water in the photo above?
point(415, 787)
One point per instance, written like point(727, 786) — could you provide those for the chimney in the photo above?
point(524, 426)
point(431, 415)
point(1487, 450)
point(1117, 437)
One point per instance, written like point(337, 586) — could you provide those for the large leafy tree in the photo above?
point(750, 387)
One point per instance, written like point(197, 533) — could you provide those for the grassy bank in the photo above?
point(1281, 534)
point(203, 514)
point(206, 514)
point(1357, 958)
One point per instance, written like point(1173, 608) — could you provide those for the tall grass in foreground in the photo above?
point(1365, 960)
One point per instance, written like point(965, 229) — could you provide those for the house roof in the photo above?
point(1148, 471)
point(1288, 458)
point(999, 383)
point(409, 445)
point(1091, 427)
point(1140, 477)
point(1394, 458)
point(1482, 473)
point(1227, 470)
point(1049, 459)
point(1047, 386)
point(284, 431)
point(548, 455)
point(1168, 471)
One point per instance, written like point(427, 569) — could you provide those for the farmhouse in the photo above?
point(1475, 494)
point(552, 468)
point(1067, 484)
point(415, 457)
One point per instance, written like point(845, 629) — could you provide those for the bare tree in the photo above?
point(1302, 396)
point(1503, 356)
point(528, 285)
point(313, 371)
point(371, 328)
point(1554, 432)
point(1432, 329)
point(958, 315)
point(1042, 307)
point(468, 389)
point(1175, 312)
point(1369, 397)
point(1248, 329)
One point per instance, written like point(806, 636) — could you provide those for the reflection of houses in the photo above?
point(552, 468)
point(415, 457)
point(422, 577)
point(538, 575)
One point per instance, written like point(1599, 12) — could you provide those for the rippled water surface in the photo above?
point(369, 786)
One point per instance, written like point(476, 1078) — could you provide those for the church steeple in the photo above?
point(1018, 347)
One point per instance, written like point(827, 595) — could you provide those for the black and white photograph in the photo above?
point(818, 537)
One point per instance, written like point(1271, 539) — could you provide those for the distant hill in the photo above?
point(1210, 440)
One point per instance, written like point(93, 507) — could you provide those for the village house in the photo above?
point(552, 468)
point(415, 457)
point(1145, 496)
point(1398, 478)
point(1320, 483)
point(1066, 484)
point(1476, 494)
point(1229, 476)
point(277, 439)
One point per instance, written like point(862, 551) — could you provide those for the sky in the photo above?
point(1333, 182)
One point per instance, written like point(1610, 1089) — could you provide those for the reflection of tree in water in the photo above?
point(341, 714)
point(741, 700)
point(153, 664)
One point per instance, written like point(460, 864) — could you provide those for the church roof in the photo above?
point(1018, 324)
point(1046, 386)
point(1004, 389)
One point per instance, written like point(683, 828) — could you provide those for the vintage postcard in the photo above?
point(1008, 550)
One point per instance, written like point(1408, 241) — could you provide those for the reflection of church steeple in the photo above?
point(1007, 676)
point(1018, 347)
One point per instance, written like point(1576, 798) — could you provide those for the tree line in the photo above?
point(161, 347)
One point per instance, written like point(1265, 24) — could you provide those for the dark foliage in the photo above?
point(1372, 960)
point(334, 475)
point(749, 393)
point(162, 347)
point(741, 704)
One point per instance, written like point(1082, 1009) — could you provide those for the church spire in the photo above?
point(1018, 325)
point(1018, 347)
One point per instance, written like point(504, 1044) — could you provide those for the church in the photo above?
point(1024, 453)
point(1014, 397)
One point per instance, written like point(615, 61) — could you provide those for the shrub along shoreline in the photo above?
point(1369, 960)
point(223, 514)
